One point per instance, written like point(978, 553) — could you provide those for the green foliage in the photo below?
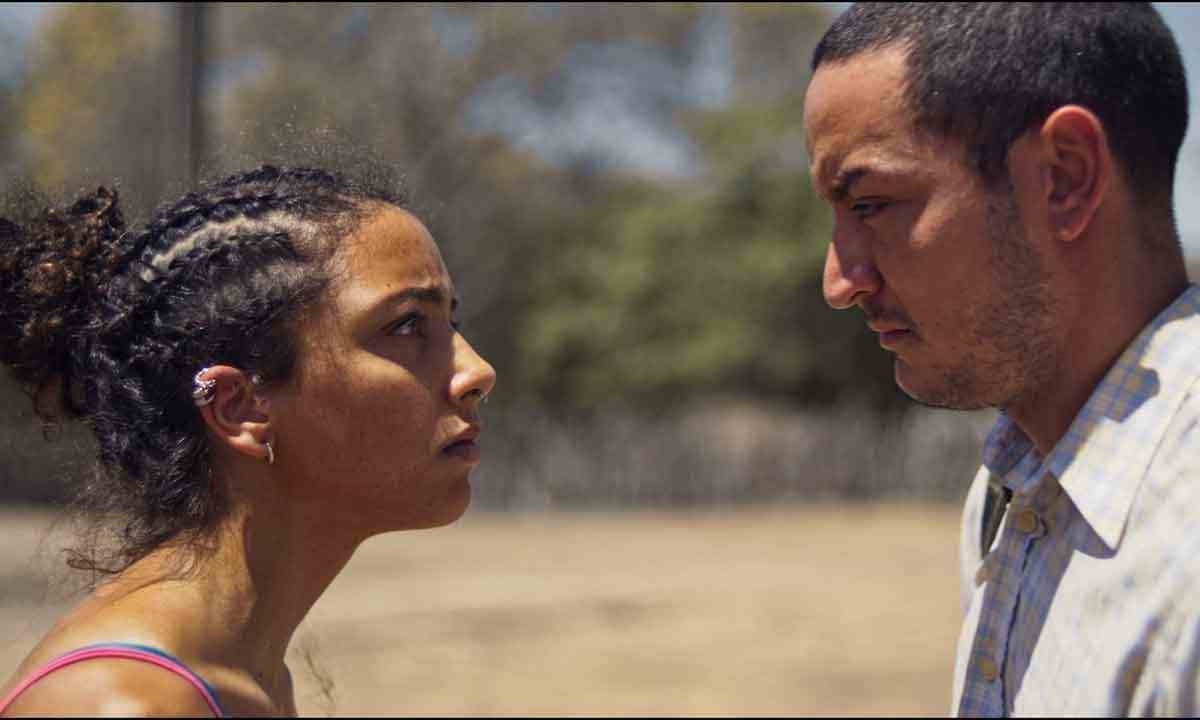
point(665, 291)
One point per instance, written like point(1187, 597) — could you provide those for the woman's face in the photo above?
point(377, 426)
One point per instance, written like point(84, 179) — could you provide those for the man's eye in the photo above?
point(864, 209)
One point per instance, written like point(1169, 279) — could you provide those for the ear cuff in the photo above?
point(203, 391)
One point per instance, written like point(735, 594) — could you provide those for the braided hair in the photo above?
point(109, 326)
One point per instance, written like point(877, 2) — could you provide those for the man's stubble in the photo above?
point(1012, 351)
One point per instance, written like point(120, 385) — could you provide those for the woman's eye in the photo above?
point(407, 326)
point(414, 325)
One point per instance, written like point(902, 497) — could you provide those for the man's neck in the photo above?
point(1121, 309)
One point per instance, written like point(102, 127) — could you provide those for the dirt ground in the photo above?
point(816, 610)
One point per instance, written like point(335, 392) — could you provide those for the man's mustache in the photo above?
point(878, 315)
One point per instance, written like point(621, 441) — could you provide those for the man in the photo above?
point(1001, 182)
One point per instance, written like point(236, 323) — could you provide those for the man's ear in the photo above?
point(239, 417)
point(1079, 168)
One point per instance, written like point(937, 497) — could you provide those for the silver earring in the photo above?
point(203, 391)
point(270, 454)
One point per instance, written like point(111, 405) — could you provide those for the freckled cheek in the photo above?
point(402, 417)
point(367, 427)
point(395, 402)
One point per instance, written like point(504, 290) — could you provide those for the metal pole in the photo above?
point(193, 57)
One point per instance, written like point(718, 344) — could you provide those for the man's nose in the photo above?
point(850, 273)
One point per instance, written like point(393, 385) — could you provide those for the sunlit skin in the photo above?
point(986, 296)
point(387, 383)
point(374, 432)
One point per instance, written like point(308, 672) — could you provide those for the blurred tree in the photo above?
point(9, 82)
point(95, 104)
point(662, 291)
point(772, 47)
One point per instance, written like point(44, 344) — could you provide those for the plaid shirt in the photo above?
point(1088, 602)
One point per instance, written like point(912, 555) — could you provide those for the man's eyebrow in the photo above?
point(843, 183)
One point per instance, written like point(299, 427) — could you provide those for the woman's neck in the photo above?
point(244, 591)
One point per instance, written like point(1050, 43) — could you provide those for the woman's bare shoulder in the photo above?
point(110, 687)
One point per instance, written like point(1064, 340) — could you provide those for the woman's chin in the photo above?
point(458, 500)
point(452, 507)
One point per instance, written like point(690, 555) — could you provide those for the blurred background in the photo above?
point(701, 492)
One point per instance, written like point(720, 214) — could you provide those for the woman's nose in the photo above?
point(474, 378)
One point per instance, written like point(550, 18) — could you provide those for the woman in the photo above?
point(273, 373)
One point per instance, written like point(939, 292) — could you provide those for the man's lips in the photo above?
point(890, 333)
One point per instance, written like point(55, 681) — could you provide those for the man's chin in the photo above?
point(937, 388)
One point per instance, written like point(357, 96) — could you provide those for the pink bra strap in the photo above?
point(121, 651)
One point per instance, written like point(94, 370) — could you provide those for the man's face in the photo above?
point(939, 264)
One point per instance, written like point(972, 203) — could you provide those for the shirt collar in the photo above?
point(1101, 460)
point(1011, 458)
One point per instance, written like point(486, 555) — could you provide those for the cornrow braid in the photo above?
point(114, 324)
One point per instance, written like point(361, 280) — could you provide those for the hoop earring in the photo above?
point(270, 454)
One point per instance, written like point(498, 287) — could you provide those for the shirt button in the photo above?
point(988, 669)
point(1027, 522)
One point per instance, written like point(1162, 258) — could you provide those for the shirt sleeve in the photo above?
point(969, 556)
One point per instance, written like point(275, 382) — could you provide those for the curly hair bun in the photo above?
point(52, 269)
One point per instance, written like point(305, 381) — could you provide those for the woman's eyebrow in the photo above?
point(435, 295)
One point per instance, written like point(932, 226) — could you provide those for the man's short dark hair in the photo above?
point(985, 73)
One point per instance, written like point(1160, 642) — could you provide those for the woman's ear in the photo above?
point(1079, 166)
point(238, 415)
